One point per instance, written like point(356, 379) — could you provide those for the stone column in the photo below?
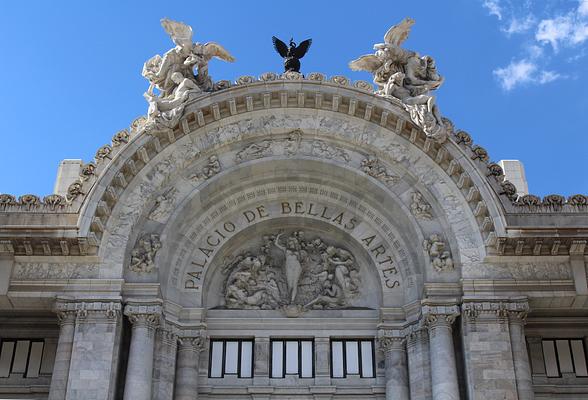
point(67, 319)
point(187, 367)
point(439, 321)
point(516, 320)
point(419, 363)
point(95, 350)
point(392, 344)
point(145, 319)
point(164, 369)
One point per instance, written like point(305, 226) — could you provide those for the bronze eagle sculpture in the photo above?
point(291, 54)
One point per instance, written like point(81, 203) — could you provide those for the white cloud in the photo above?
point(519, 25)
point(493, 7)
point(583, 7)
point(523, 72)
point(516, 73)
point(554, 31)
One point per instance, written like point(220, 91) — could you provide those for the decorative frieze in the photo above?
point(143, 255)
point(440, 257)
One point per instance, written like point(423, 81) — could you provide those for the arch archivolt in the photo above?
point(250, 149)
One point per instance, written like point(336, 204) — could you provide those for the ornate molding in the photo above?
point(89, 310)
point(513, 311)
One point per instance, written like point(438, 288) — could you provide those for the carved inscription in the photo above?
point(213, 240)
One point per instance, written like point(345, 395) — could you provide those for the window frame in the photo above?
point(28, 356)
point(284, 358)
point(240, 342)
point(569, 342)
point(358, 341)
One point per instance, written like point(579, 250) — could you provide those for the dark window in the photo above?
point(21, 356)
point(564, 356)
point(231, 357)
point(292, 357)
point(352, 357)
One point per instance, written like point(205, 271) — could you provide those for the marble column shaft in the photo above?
point(58, 389)
point(442, 354)
point(140, 365)
point(520, 356)
point(188, 362)
point(419, 364)
point(164, 368)
point(394, 351)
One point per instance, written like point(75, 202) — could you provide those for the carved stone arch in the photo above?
point(188, 154)
point(370, 114)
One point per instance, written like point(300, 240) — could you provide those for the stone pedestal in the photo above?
point(145, 319)
point(164, 368)
point(95, 350)
point(439, 321)
point(392, 344)
point(188, 361)
point(60, 374)
point(520, 355)
point(419, 368)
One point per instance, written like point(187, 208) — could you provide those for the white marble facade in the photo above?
point(288, 209)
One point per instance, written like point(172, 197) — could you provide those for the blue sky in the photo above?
point(515, 71)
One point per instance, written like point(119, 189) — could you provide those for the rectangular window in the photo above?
point(352, 357)
point(292, 357)
point(21, 357)
point(231, 357)
point(564, 356)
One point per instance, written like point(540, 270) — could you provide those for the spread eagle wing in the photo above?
point(180, 33)
point(280, 47)
point(368, 62)
point(399, 33)
point(302, 48)
point(212, 49)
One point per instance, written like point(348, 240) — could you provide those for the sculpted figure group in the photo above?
point(398, 73)
point(292, 271)
point(406, 76)
point(173, 74)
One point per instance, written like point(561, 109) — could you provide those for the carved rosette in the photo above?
point(436, 317)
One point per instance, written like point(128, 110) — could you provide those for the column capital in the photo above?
point(86, 310)
point(147, 314)
point(192, 341)
point(391, 339)
point(515, 310)
point(439, 315)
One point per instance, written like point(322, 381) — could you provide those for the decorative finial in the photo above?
point(292, 54)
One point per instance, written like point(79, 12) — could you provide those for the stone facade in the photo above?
point(292, 209)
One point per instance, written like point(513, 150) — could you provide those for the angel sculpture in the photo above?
point(292, 54)
point(406, 76)
point(183, 58)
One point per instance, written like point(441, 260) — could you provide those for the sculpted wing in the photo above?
point(178, 31)
point(302, 48)
point(368, 62)
point(280, 47)
point(399, 33)
point(212, 49)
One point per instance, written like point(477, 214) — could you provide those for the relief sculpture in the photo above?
point(292, 272)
